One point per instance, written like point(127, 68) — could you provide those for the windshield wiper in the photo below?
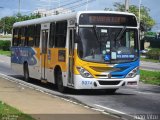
point(120, 34)
point(95, 31)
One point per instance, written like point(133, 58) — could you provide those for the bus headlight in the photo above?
point(133, 73)
point(84, 72)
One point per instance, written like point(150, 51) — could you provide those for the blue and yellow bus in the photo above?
point(82, 50)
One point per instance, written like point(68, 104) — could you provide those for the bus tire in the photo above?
point(60, 86)
point(110, 91)
point(26, 73)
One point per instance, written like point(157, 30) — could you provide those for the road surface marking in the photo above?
point(146, 93)
point(110, 109)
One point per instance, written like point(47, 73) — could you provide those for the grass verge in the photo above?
point(150, 77)
point(9, 113)
point(7, 53)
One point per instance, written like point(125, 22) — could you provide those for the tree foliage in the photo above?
point(147, 22)
point(6, 23)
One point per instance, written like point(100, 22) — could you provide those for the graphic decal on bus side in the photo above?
point(22, 54)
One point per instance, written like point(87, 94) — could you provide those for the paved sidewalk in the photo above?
point(45, 107)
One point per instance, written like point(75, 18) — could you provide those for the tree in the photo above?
point(6, 23)
point(147, 22)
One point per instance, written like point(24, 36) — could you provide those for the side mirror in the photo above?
point(77, 38)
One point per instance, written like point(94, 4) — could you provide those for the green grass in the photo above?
point(9, 113)
point(150, 77)
point(7, 53)
point(149, 60)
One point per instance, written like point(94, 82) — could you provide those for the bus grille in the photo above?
point(109, 82)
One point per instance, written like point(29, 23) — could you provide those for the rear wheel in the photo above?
point(60, 86)
point(26, 73)
point(110, 91)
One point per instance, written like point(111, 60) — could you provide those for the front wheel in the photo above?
point(60, 86)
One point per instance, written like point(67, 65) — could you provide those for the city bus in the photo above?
point(79, 50)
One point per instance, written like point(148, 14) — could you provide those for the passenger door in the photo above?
point(44, 49)
point(71, 57)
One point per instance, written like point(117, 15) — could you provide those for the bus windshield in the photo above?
point(108, 45)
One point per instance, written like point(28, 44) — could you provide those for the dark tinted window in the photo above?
point(15, 37)
point(31, 31)
point(22, 36)
point(60, 37)
point(37, 35)
point(26, 36)
point(52, 35)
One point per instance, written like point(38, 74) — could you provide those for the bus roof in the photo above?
point(62, 17)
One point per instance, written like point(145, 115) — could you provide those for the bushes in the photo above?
point(5, 45)
point(154, 53)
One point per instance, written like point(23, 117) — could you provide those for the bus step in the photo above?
point(44, 81)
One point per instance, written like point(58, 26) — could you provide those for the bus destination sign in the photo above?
point(107, 19)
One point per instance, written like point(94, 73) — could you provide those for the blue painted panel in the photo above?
point(126, 68)
point(21, 54)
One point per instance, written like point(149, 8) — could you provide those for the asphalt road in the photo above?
point(150, 65)
point(138, 102)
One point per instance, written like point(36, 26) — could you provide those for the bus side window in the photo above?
point(31, 31)
point(52, 35)
point(37, 35)
point(22, 36)
point(61, 30)
point(19, 37)
point(26, 37)
point(15, 37)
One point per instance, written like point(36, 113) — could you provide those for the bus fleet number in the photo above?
point(86, 82)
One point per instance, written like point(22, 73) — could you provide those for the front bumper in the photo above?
point(92, 83)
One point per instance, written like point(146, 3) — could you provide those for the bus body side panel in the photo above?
point(21, 55)
point(18, 68)
point(55, 57)
point(34, 70)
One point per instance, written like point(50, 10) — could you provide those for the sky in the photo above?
point(10, 7)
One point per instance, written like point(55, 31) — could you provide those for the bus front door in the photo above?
point(44, 44)
point(71, 58)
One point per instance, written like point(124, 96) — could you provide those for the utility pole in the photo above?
point(19, 6)
point(139, 12)
point(126, 5)
point(86, 5)
point(59, 3)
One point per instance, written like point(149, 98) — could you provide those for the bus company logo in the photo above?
point(109, 75)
